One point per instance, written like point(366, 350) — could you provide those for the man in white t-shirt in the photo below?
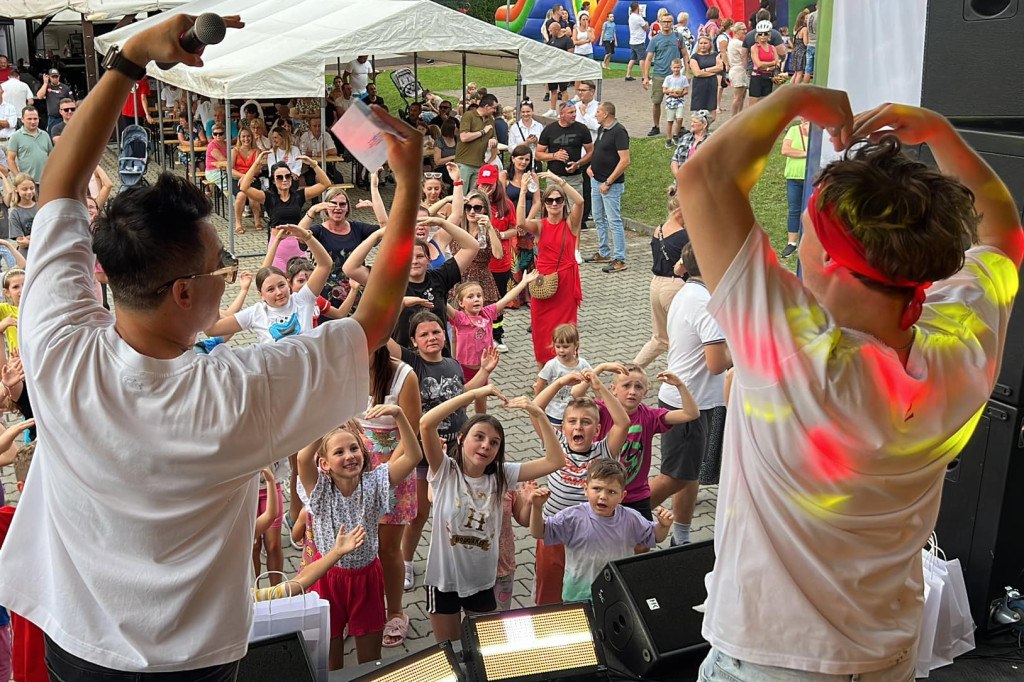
point(131, 548)
point(699, 356)
point(637, 38)
point(358, 73)
point(853, 389)
point(16, 92)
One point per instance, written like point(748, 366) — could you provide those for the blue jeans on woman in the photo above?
point(795, 199)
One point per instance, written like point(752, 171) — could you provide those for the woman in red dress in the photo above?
point(557, 233)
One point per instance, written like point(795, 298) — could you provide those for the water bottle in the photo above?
point(532, 187)
point(481, 235)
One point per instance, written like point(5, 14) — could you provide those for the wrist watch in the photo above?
point(115, 61)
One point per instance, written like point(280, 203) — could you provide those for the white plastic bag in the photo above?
point(306, 613)
point(947, 620)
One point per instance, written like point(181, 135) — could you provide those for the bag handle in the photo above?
point(558, 264)
point(286, 581)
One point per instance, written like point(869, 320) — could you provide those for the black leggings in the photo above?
point(501, 279)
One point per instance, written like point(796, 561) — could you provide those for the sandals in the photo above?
point(239, 230)
point(396, 628)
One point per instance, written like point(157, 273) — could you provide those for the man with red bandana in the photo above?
point(854, 387)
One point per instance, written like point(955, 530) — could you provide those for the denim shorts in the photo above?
point(720, 667)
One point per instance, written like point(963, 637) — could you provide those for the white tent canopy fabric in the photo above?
point(93, 9)
point(281, 52)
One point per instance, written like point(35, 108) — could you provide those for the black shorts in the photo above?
point(561, 87)
point(683, 446)
point(450, 603)
point(643, 506)
point(609, 47)
point(760, 85)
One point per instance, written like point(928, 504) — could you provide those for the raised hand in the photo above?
point(912, 125)
point(348, 542)
point(539, 496)
point(664, 516)
point(410, 301)
point(526, 489)
point(616, 367)
point(669, 378)
point(830, 111)
point(245, 279)
point(268, 476)
point(490, 390)
point(453, 171)
point(364, 203)
point(383, 410)
point(20, 427)
point(489, 359)
point(531, 276)
point(295, 231)
point(523, 403)
point(13, 372)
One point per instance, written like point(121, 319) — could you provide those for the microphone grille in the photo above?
point(209, 28)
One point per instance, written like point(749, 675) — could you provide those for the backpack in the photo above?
point(710, 30)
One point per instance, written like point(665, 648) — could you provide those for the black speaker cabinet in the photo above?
point(958, 80)
point(644, 606)
point(274, 659)
point(1004, 152)
point(981, 521)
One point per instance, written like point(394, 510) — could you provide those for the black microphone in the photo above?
point(209, 29)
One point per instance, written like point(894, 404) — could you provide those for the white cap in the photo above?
point(764, 26)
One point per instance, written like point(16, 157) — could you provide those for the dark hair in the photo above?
point(27, 109)
point(913, 221)
point(423, 317)
point(150, 235)
point(251, 108)
point(449, 127)
point(488, 100)
point(713, 13)
point(420, 244)
point(382, 373)
point(295, 266)
point(519, 150)
point(607, 470)
point(634, 6)
point(689, 260)
point(762, 15)
point(263, 274)
point(608, 107)
point(501, 205)
point(497, 465)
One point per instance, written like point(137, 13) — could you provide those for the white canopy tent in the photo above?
point(94, 10)
point(282, 53)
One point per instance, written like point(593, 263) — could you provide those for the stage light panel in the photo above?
point(542, 643)
point(436, 664)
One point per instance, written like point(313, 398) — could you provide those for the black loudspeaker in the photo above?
point(955, 32)
point(274, 659)
point(981, 520)
point(644, 606)
point(1005, 153)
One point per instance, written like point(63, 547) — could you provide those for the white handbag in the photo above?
point(305, 612)
point(947, 628)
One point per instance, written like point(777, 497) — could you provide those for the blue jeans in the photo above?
point(720, 667)
point(809, 62)
point(608, 214)
point(795, 199)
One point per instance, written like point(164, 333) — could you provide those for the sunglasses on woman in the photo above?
point(475, 208)
point(339, 204)
point(432, 176)
point(554, 201)
point(227, 271)
point(218, 133)
point(282, 177)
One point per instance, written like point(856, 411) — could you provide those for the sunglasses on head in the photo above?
point(228, 271)
point(554, 201)
point(475, 208)
point(432, 176)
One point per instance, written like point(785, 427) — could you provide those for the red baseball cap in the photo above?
point(488, 175)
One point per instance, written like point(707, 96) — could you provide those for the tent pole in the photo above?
point(323, 139)
point(191, 170)
point(228, 199)
point(135, 104)
point(519, 85)
point(415, 76)
point(160, 118)
point(508, 14)
point(462, 95)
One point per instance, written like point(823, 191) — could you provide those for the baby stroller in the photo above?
point(134, 159)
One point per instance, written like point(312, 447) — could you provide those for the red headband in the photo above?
point(846, 251)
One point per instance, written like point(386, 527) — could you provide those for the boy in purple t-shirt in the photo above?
point(630, 388)
point(596, 531)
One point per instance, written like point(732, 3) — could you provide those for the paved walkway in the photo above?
point(614, 324)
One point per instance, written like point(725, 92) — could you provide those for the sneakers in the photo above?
point(547, 96)
point(670, 144)
point(410, 578)
point(615, 266)
point(598, 258)
point(629, 78)
point(501, 348)
point(655, 131)
point(551, 113)
point(246, 212)
point(789, 250)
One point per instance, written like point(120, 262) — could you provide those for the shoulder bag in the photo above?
point(545, 286)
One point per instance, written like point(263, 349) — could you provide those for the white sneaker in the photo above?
point(246, 212)
point(550, 113)
point(502, 348)
point(410, 579)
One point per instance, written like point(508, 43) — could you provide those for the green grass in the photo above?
point(649, 174)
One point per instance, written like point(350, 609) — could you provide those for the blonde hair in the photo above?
point(566, 333)
point(9, 274)
point(462, 289)
point(19, 179)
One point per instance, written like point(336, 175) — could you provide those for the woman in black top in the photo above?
point(284, 201)
point(666, 247)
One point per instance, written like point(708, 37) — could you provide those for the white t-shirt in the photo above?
point(637, 32)
point(170, 95)
point(553, 371)
point(273, 324)
point(291, 157)
point(518, 132)
point(359, 76)
point(463, 554)
point(343, 104)
point(132, 545)
point(832, 468)
point(690, 327)
point(17, 94)
point(310, 146)
point(205, 111)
